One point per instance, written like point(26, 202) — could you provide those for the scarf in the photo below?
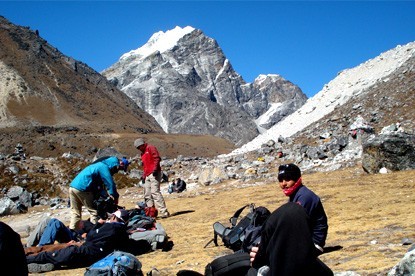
point(291, 190)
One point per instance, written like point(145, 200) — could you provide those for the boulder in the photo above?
point(406, 266)
point(212, 175)
point(393, 151)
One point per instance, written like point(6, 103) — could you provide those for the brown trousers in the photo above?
point(33, 250)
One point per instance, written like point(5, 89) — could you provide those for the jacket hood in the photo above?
point(111, 162)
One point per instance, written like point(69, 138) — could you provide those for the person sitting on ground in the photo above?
point(180, 185)
point(172, 187)
point(12, 258)
point(289, 177)
point(177, 186)
point(94, 181)
point(286, 246)
point(101, 240)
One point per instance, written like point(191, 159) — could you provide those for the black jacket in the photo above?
point(287, 246)
point(101, 240)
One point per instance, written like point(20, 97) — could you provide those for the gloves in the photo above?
point(115, 199)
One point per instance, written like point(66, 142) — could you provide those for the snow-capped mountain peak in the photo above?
point(160, 41)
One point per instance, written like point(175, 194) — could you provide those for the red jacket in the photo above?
point(151, 160)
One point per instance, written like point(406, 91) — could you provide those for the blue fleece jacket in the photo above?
point(97, 176)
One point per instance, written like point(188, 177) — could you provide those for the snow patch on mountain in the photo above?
point(160, 41)
point(265, 118)
point(262, 77)
point(347, 84)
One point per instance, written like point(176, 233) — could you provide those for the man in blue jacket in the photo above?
point(92, 182)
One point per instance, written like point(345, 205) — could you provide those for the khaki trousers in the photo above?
point(79, 199)
point(152, 194)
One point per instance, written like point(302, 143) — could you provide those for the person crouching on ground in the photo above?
point(93, 181)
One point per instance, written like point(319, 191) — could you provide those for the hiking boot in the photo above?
point(165, 215)
point(36, 268)
point(153, 272)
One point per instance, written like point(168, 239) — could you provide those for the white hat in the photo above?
point(122, 214)
point(139, 142)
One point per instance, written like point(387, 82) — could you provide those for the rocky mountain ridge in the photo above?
point(45, 93)
point(36, 88)
point(184, 80)
point(381, 90)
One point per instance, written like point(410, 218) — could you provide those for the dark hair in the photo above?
point(288, 172)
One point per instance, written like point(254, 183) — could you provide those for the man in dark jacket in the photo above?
point(101, 240)
point(12, 256)
point(178, 186)
point(289, 177)
point(286, 247)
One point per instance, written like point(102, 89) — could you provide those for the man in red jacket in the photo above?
point(152, 175)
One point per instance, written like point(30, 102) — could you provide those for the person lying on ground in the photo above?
point(50, 230)
point(56, 231)
point(101, 240)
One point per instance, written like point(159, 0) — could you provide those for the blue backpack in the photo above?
point(117, 263)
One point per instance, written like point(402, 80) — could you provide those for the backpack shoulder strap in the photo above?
point(234, 219)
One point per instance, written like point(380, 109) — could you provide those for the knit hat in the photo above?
point(288, 172)
point(139, 142)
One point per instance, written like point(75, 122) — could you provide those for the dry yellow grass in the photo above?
point(369, 215)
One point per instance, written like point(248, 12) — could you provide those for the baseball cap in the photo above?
point(288, 172)
point(122, 214)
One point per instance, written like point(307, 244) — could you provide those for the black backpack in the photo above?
point(243, 233)
point(105, 205)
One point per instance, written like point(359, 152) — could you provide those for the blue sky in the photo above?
point(306, 42)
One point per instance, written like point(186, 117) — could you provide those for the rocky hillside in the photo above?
point(184, 80)
point(51, 102)
point(380, 90)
